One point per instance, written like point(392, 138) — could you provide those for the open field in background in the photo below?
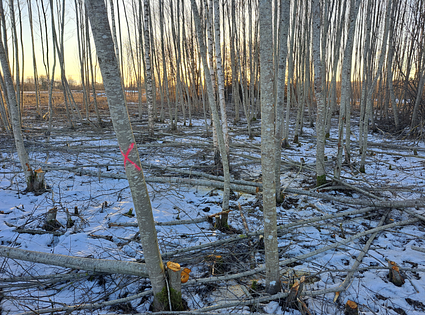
point(59, 103)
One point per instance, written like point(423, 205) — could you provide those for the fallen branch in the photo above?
point(419, 249)
point(62, 277)
point(254, 301)
point(28, 231)
point(416, 215)
point(176, 222)
point(88, 264)
point(409, 203)
point(69, 309)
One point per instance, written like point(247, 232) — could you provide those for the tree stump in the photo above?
point(51, 224)
point(296, 291)
point(394, 274)
point(36, 181)
point(174, 275)
point(351, 308)
point(171, 297)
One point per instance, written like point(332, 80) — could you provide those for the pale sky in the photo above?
point(72, 67)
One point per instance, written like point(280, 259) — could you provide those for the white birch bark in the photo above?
point(15, 118)
point(81, 263)
point(280, 87)
point(213, 106)
point(114, 30)
point(371, 89)
point(414, 121)
point(34, 60)
point(285, 136)
point(234, 60)
point(210, 40)
point(389, 69)
point(120, 119)
point(345, 85)
point(3, 112)
point(220, 76)
point(164, 65)
point(268, 141)
point(318, 91)
point(341, 9)
point(16, 51)
point(148, 70)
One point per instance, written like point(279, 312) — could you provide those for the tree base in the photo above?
point(36, 182)
point(273, 288)
point(162, 303)
point(320, 180)
point(285, 144)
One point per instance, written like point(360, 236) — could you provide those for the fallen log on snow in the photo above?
point(88, 264)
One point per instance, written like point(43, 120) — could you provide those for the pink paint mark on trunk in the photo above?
point(127, 159)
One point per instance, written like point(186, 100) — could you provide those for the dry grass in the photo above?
point(59, 108)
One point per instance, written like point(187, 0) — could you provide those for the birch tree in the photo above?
point(220, 75)
point(268, 148)
point(16, 50)
point(15, 118)
point(371, 88)
point(344, 118)
point(213, 106)
point(280, 88)
point(285, 142)
point(34, 59)
point(148, 69)
point(318, 91)
point(389, 70)
point(116, 100)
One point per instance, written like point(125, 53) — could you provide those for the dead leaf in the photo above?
point(185, 275)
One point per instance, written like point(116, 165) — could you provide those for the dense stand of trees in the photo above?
point(251, 59)
point(156, 47)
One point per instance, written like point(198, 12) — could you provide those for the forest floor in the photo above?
point(321, 232)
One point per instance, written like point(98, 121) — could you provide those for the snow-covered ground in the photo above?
point(96, 205)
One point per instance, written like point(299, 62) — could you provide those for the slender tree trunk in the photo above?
point(148, 77)
point(213, 106)
point(390, 72)
point(3, 112)
point(371, 88)
point(233, 61)
point(345, 85)
point(220, 76)
point(52, 81)
point(268, 142)
point(34, 60)
point(79, 16)
point(318, 91)
point(285, 136)
point(15, 119)
point(17, 69)
point(92, 76)
point(121, 121)
point(414, 120)
point(280, 88)
point(164, 66)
